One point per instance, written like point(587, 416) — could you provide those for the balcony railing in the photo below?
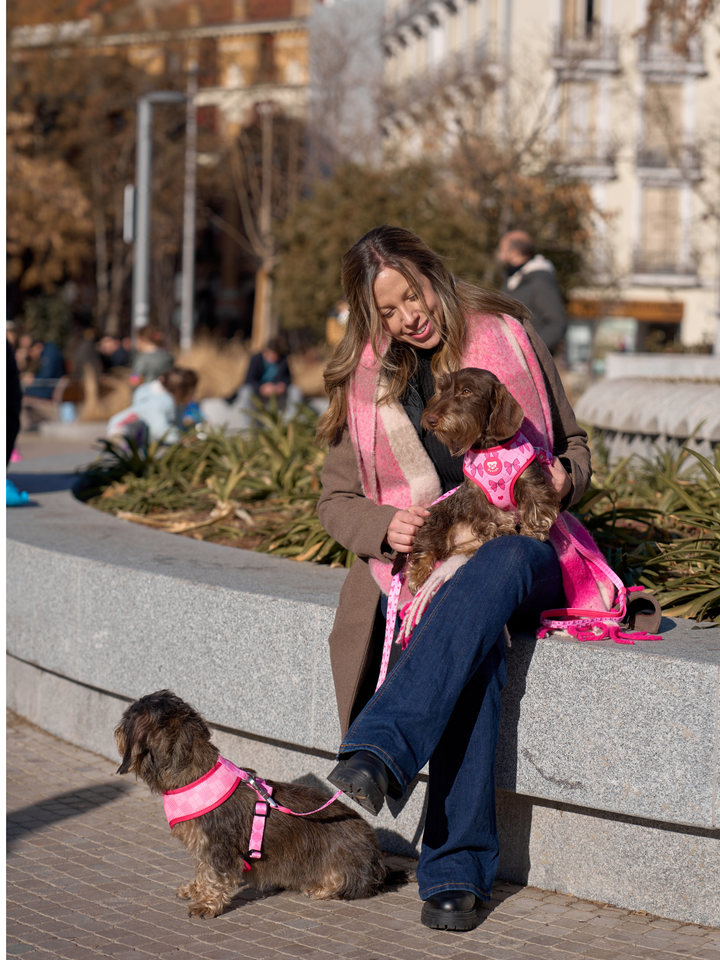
point(664, 262)
point(666, 54)
point(586, 45)
point(586, 152)
point(684, 161)
point(587, 159)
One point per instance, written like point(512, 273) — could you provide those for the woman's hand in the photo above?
point(404, 527)
point(557, 477)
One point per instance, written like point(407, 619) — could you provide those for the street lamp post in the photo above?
point(188, 249)
point(141, 265)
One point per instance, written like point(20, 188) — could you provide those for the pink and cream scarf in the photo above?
point(396, 470)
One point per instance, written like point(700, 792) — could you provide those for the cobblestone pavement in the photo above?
point(92, 869)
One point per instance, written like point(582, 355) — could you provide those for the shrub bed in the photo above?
point(657, 522)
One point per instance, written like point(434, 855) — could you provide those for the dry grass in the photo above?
point(104, 397)
point(307, 374)
point(220, 369)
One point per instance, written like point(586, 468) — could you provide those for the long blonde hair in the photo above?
point(399, 249)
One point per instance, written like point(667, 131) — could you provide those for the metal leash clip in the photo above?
point(261, 790)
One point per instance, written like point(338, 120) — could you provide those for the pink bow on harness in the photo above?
point(213, 788)
point(484, 468)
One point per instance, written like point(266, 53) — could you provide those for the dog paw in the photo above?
point(184, 892)
point(204, 911)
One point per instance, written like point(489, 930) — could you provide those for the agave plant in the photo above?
point(657, 521)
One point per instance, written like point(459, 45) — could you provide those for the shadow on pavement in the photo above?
point(43, 482)
point(61, 807)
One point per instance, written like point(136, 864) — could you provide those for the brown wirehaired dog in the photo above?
point(472, 410)
point(332, 854)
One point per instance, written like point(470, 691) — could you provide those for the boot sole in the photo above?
point(438, 919)
point(359, 788)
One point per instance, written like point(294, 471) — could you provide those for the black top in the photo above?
point(260, 371)
point(419, 392)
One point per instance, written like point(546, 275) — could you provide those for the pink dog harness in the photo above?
point(496, 469)
point(213, 788)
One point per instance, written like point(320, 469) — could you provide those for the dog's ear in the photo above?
point(132, 734)
point(507, 414)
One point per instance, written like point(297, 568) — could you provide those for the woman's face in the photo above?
point(403, 315)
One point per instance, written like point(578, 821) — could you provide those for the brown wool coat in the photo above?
point(361, 525)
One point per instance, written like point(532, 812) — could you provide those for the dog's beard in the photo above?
point(459, 436)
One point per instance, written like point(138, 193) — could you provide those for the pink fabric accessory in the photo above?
point(395, 469)
point(201, 796)
point(213, 788)
point(496, 469)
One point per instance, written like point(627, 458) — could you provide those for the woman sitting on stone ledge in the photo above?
point(410, 320)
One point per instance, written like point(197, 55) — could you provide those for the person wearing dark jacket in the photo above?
point(531, 279)
point(52, 367)
point(268, 376)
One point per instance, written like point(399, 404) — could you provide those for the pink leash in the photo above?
point(209, 791)
point(392, 606)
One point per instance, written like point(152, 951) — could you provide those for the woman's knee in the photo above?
point(511, 551)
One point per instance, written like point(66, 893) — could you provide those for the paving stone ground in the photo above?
point(92, 869)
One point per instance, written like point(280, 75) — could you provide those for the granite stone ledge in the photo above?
point(127, 610)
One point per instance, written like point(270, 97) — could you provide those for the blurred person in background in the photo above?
point(268, 380)
point(151, 358)
point(85, 353)
point(531, 279)
point(22, 352)
point(157, 409)
point(112, 353)
point(44, 366)
point(49, 365)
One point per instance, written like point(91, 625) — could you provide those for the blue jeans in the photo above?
point(441, 703)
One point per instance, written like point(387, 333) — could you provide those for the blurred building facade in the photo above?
point(250, 53)
point(627, 105)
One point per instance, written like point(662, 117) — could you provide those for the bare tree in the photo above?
point(267, 162)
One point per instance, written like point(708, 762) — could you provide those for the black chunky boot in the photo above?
point(364, 778)
point(451, 910)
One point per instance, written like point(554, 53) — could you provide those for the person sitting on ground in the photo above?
point(156, 411)
point(268, 377)
point(45, 366)
point(50, 367)
point(151, 359)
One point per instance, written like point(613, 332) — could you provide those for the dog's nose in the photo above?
point(431, 420)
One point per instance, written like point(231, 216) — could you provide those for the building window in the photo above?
point(662, 122)
point(578, 121)
point(579, 17)
point(660, 232)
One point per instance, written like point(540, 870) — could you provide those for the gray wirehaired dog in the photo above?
point(330, 854)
